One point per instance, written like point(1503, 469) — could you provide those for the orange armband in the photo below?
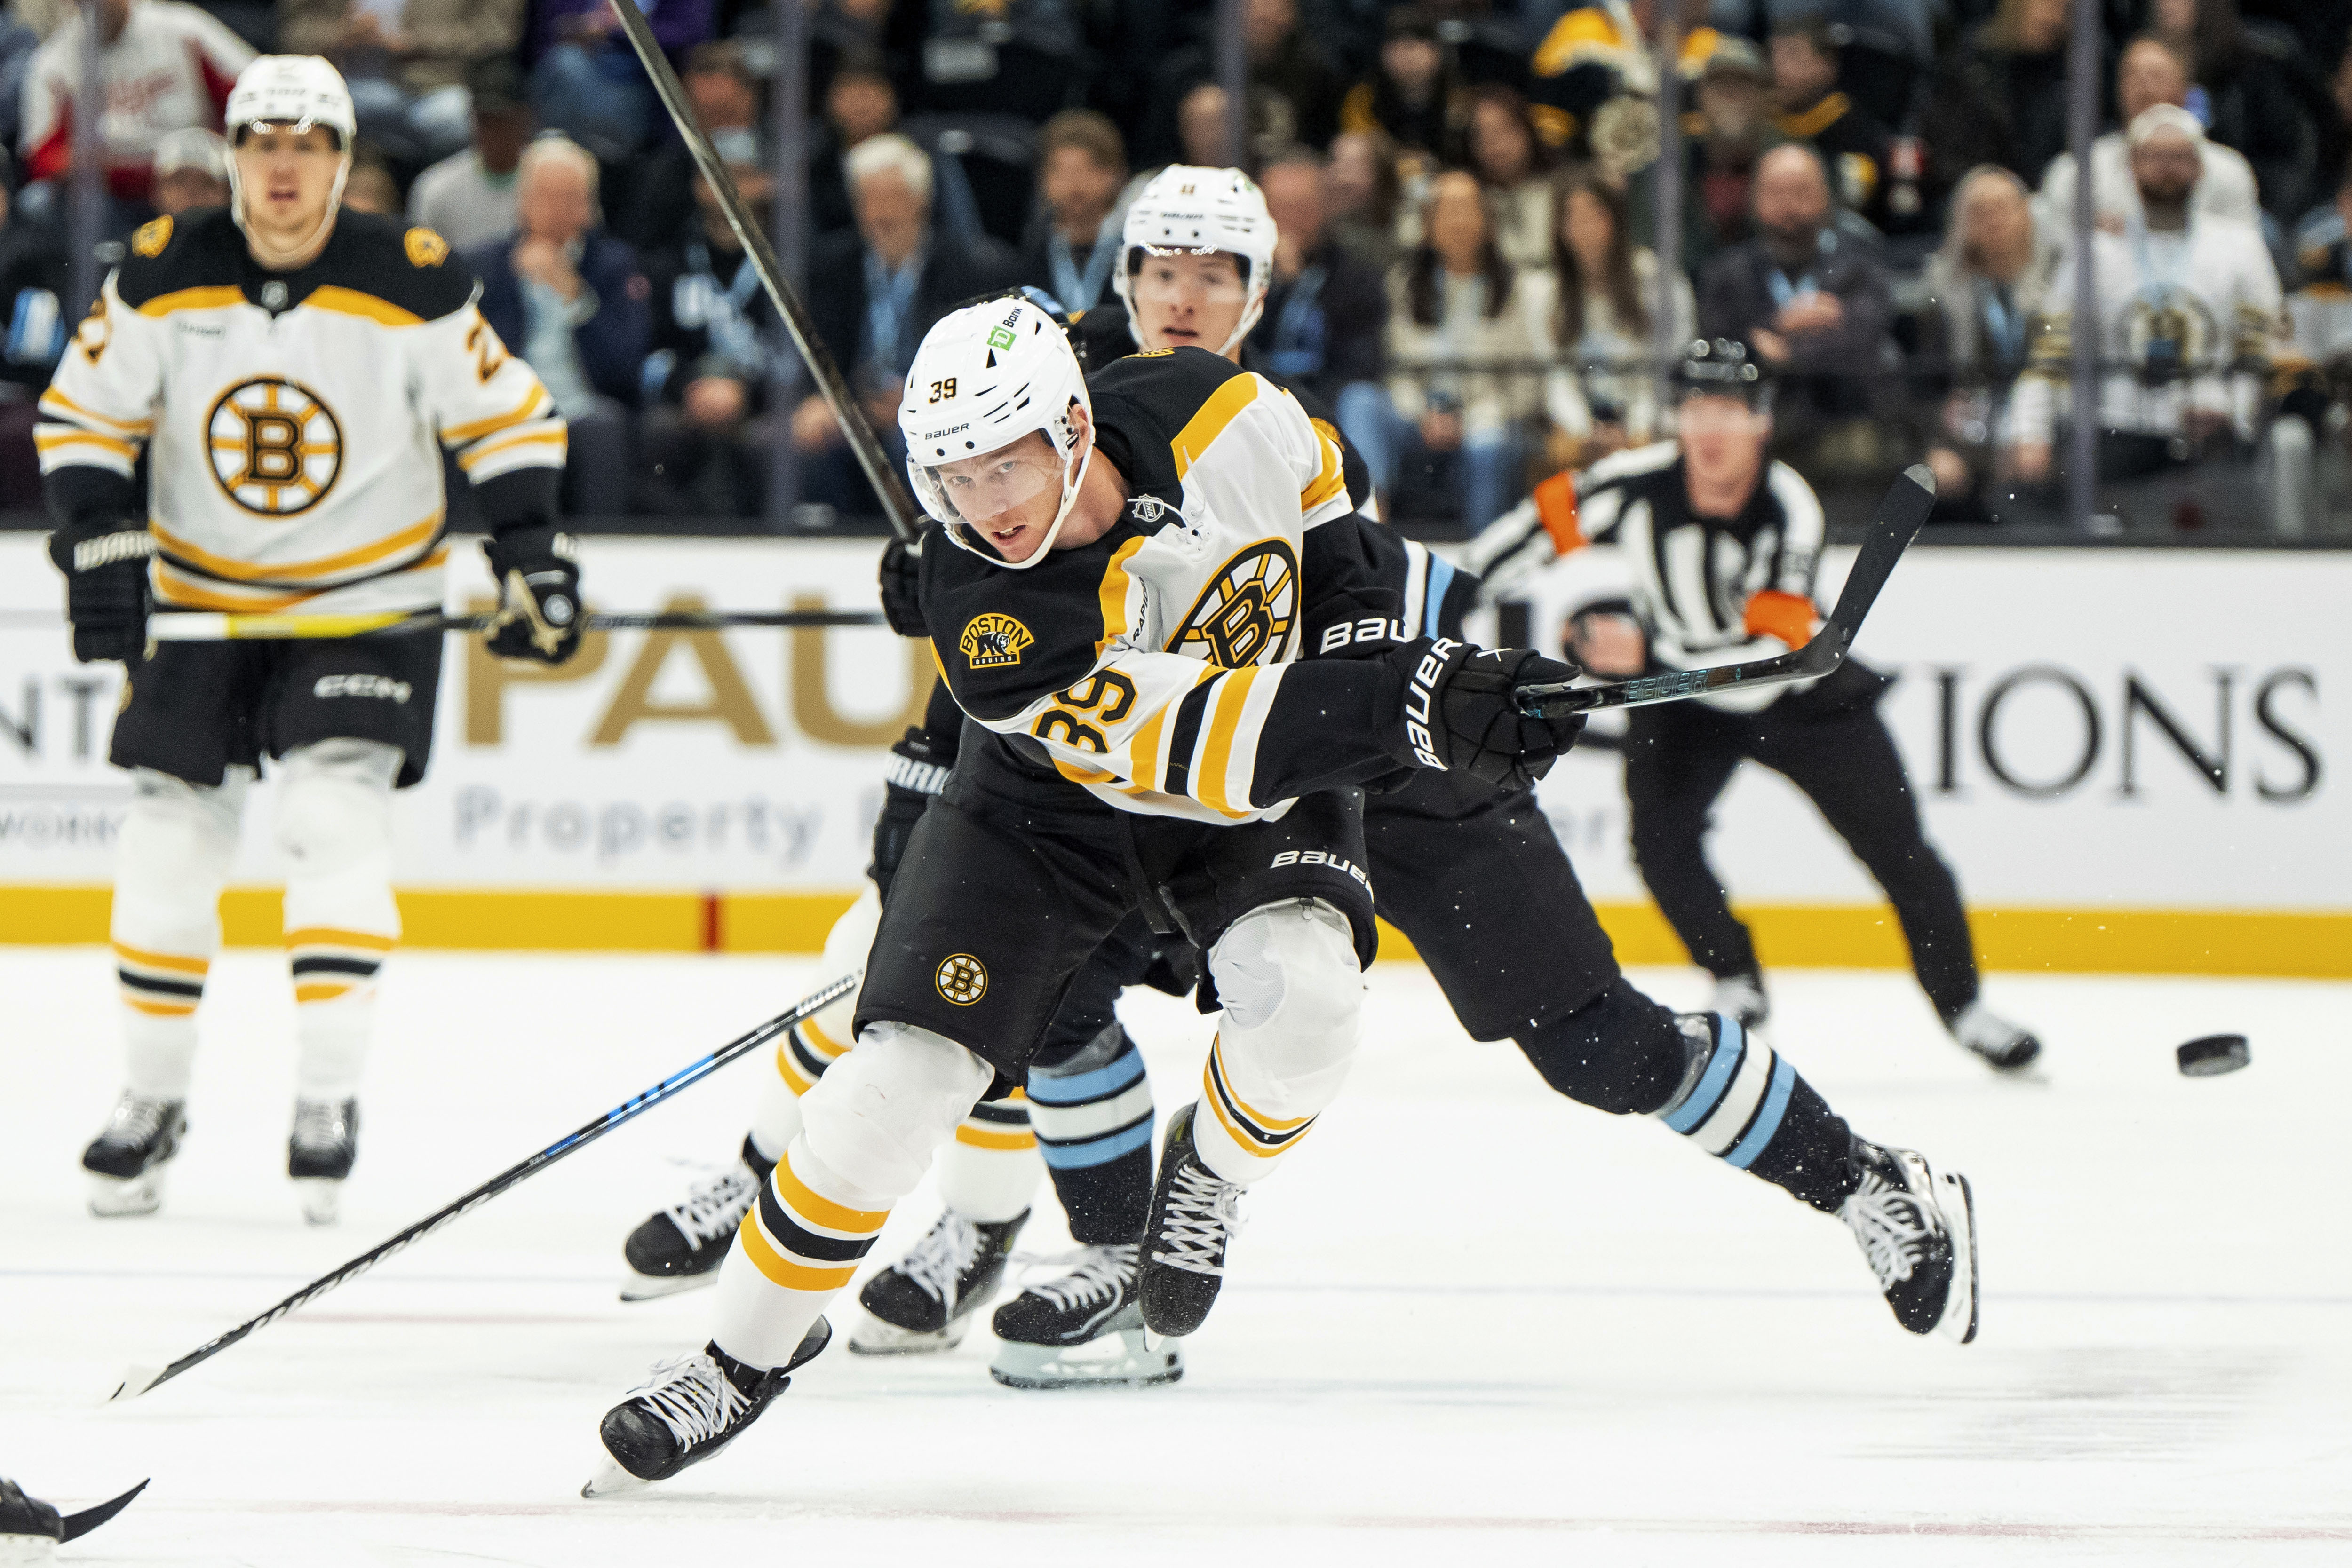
point(1555, 501)
point(1788, 616)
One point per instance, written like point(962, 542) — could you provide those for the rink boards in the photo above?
point(2128, 755)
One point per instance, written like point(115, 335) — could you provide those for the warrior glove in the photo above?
point(105, 563)
point(902, 566)
point(1460, 711)
point(538, 573)
point(908, 784)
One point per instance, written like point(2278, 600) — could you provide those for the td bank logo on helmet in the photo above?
point(1420, 692)
point(992, 641)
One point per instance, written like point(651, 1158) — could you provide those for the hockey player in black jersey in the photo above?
point(1125, 580)
point(1724, 547)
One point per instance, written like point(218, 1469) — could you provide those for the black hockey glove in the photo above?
point(1459, 712)
point(908, 784)
point(1360, 623)
point(902, 569)
point(105, 565)
point(538, 573)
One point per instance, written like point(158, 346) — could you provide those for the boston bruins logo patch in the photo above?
point(964, 979)
point(276, 448)
point(992, 641)
point(1246, 614)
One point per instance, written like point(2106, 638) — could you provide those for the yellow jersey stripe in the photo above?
point(458, 434)
point(551, 437)
point(352, 302)
point(1332, 481)
point(50, 439)
point(184, 592)
point(1210, 423)
point(1209, 779)
point(214, 297)
point(781, 1269)
point(1115, 584)
point(67, 409)
point(807, 1205)
point(299, 570)
point(172, 962)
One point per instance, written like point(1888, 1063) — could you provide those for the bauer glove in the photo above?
point(537, 574)
point(105, 565)
point(913, 778)
point(1459, 711)
point(902, 569)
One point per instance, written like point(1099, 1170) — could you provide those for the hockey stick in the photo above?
point(138, 1380)
point(203, 626)
point(889, 485)
point(1900, 515)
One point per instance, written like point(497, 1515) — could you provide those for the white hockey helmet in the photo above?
point(297, 92)
point(985, 376)
point(1189, 210)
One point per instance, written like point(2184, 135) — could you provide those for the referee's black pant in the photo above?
point(1679, 757)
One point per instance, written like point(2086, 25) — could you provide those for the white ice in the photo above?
point(1469, 1321)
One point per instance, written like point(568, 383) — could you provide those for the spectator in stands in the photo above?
point(568, 298)
point(1325, 311)
point(860, 104)
point(1986, 285)
point(1596, 53)
point(165, 67)
point(2187, 312)
point(1853, 145)
point(35, 284)
point(586, 81)
point(717, 345)
point(1733, 96)
point(372, 188)
point(2148, 74)
point(1413, 97)
point(18, 44)
point(994, 57)
point(887, 284)
point(1611, 298)
point(1293, 91)
point(1201, 129)
point(2335, 121)
point(2248, 93)
point(1813, 305)
point(1360, 197)
point(2002, 99)
point(2319, 312)
point(405, 62)
point(725, 97)
point(1073, 243)
point(1514, 167)
point(1456, 303)
point(468, 198)
point(191, 171)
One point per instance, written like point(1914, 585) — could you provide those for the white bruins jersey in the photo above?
point(1151, 667)
point(290, 420)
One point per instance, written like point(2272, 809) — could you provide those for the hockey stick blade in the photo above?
point(1900, 517)
point(139, 1379)
point(77, 1525)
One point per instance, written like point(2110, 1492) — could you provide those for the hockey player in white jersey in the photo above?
point(292, 372)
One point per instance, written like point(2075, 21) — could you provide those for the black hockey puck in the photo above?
point(2213, 1055)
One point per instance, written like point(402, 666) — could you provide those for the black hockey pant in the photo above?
point(1679, 757)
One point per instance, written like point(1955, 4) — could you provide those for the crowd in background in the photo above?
point(1877, 199)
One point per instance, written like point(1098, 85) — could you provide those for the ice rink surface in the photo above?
point(1469, 1321)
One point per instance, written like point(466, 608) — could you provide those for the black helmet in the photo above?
point(1721, 367)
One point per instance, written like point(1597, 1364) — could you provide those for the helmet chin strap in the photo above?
point(272, 255)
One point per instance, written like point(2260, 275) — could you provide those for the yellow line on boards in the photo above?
point(2311, 943)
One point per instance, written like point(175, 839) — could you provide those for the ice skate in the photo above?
point(1918, 1229)
point(1082, 1329)
point(692, 1408)
point(925, 1301)
point(2004, 1044)
point(1194, 1214)
point(680, 1249)
point(126, 1160)
point(318, 1155)
point(1741, 995)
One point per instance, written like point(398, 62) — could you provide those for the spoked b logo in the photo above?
point(276, 448)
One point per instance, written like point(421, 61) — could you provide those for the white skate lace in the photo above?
point(1887, 1221)
point(1203, 1214)
point(694, 1399)
point(318, 1123)
point(135, 1119)
point(716, 1204)
point(1096, 1275)
point(940, 1259)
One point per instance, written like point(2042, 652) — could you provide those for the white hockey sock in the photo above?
point(1292, 987)
point(871, 1128)
point(813, 1045)
point(334, 825)
point(989, 1174)
point(170, 864)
